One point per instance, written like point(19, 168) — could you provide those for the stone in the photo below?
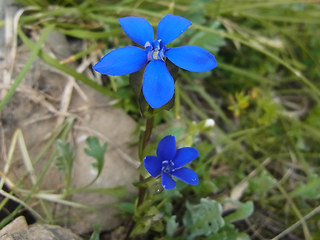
point(16, 225)
point(35, 110)
point(120, 168)
point(41, 232)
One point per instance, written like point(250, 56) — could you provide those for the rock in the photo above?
point(35, 108)
point(41, 232)
point(111, 125)
point(16, 225)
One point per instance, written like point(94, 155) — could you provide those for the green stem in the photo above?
point(148, 131)
point(145, 141)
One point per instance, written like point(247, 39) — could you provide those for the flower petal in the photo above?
point(153, 165)
point(167, 148)
point(192, 58)
point(186, 175)
point(167, 182)
point(122, 61)
point(138, 29)
point(170, 27)
point(184, 156)
point(158, 85)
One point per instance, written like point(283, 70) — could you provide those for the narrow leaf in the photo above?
point(35, 49)
point(244, 211)
point(65, 156)
point(117, 192)
point(309, 190)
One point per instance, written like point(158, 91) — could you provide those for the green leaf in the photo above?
point(126, 207)
point(229, 232)
point(208, 41)
point(96, 233)
point(242, 212)
point(65, 156)
point(262, 183)
point(157, 226)
point(84, 34)
point(311, 189)
point(97, 152)
point(147, 217)
point(203, 219)
point(205, 188)
point(172, 226)
point(117, 192)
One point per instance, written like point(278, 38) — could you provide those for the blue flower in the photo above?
point(170, 161)
point(158, 85)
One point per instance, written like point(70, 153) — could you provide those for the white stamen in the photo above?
point(155, 54)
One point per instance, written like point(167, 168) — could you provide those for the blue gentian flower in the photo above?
point(170, 161)
point(158, 85)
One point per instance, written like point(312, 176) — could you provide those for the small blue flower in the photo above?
point(158, 85)
point(170, 161)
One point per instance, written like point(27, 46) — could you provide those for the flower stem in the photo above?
point(145, 141)
point(148, 131)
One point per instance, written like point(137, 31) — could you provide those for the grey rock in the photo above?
point(115, 128)
point(27, 111)
point(16, 225)
point(42, 232)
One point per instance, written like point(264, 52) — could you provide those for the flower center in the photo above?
point(155, 50)
point(167, 166)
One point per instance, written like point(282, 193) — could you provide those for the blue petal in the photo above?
point(167, 148)
point(122, 61)
point(158, 85)
point(186, 175)
point(170, 27)
point(153, 165)
point(192, 58)
point(138, 29)
point(167, 182)
point(184, 156)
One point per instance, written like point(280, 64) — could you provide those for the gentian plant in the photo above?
point(170, 161)
point(157, 84)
